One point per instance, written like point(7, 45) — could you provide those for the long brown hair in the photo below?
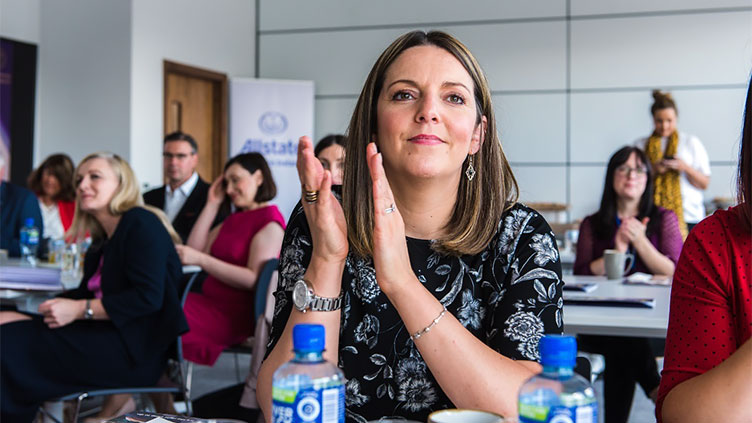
point(479, 204)
point(60, 166)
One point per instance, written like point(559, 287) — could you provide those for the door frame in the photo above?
point(220, 142)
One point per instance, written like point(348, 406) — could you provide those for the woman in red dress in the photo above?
point(233, 254)
point(708, 359)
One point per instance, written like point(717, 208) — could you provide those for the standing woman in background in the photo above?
point(52, 182)
point(681, 164)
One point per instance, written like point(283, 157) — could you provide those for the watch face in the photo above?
point(300, 295)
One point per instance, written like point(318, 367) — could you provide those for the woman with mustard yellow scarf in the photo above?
point(681, 164)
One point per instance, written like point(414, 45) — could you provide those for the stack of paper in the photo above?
point(31, 278)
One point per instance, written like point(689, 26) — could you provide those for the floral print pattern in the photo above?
point(508, 296)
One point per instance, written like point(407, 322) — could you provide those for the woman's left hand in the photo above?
point(390, 257)
point(59, 312)
point(635, 229)
point(188, 255)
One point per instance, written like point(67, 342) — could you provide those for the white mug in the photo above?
point(616, 263)
point(464, 416)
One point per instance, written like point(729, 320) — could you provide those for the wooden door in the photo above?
point(195, 102)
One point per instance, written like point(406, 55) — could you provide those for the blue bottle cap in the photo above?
point(308, 337)
point(29, 221)
point(558, 350)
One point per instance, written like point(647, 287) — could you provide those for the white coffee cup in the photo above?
point(464, 416)
point(616, 263)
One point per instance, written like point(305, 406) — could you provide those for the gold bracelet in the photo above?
point(426, 329)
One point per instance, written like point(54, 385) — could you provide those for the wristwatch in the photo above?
point(305, 299)
point(88, 313)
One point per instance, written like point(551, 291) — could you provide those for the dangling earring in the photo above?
point(470, 171)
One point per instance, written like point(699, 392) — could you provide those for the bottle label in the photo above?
point(310, 405)
point(30, 236)
point(558, 414)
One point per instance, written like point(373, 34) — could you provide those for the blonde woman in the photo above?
point(439, 284)
point(116, 327)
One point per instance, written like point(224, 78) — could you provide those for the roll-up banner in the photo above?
point(268, 116)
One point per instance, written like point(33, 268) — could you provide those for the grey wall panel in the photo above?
point(714, 48)
point(514, 56)
point(337, 61)
point(349, 13)
point(518, 56)
point(722, 183)
point(532, 127)
point(604, 121)
point(541, 183)
point(586, 184)
point(715, 116)
point(333, 116)
point(597, 7)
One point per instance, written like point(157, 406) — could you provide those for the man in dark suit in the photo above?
point(184, 195)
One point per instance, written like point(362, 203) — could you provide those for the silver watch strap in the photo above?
point(326, 304)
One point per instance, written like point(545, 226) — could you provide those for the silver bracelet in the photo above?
point(426, 329)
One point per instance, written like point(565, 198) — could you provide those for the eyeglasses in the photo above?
point(179, 156)
point(625, 170)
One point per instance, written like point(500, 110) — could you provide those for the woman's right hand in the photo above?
point(621, 241)
point(325, 216)
point(216, 192)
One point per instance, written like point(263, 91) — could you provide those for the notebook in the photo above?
point(580, 287)
point(611, 301)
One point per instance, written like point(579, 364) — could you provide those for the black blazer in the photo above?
point(141, 272)
point(188, 214)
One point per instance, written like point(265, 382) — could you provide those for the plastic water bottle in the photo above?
point(308, 388)
point(558, 395)
point(29, 242)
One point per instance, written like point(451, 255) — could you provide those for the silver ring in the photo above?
point(390, 209)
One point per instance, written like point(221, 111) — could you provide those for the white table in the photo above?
point(617, 321)
point(29, 299)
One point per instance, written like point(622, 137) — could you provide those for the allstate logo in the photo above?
point(272, 123)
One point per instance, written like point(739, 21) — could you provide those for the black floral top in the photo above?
point(508, 296)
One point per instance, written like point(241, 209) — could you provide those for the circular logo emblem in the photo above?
point(308, 409)
point(272, 123)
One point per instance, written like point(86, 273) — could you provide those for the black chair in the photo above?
point(262, 286)
point(181, 387)
point(582, 367)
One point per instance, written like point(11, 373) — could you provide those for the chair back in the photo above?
point(262, 286)
point(264, 310)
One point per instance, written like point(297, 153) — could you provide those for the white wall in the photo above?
point(217, 35)
point(19, 20)
point(571, 79)
point(84, 77)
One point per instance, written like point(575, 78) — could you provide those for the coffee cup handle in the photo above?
point(628, 262)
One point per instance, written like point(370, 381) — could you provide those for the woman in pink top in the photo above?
point(233, 254)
